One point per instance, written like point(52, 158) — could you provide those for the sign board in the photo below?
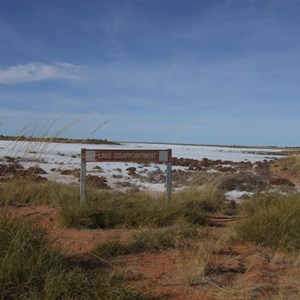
point(137, 156)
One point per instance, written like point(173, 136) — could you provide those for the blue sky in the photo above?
point(207, 72)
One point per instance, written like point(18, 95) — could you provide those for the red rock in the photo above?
point(131, 170)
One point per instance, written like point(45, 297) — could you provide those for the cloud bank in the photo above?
point(34, 72)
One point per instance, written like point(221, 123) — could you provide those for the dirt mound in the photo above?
point(31, 171)
point(10, 169)
point(74, 172)
point(97, 181)
point(16, 171)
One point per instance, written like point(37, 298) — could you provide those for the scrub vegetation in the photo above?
point(291, 164)
point(137, 245)
point(29, 269)
point(150, 240)
point(107, 209)
point(57, 139)
point(272, 221)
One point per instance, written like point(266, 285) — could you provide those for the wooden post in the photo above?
point(169, 181)
point(83, 176)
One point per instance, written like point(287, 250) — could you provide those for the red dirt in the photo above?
point(276, 170)
point(72, 242)
point(240, 272)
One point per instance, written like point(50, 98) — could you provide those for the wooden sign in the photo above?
point(137, 156)
point(142, 156)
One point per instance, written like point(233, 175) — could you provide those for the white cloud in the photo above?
point(33, 72)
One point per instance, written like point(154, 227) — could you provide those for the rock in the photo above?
point(226, 170)
point(29, 172)
point(131, 171)
point(36, 170)
point(117, 176)
point(38, 178)
point(74, 172)
point(97, 181)
point(97, 168)
point(10, 169)
point(30, 177)
point(9, 159)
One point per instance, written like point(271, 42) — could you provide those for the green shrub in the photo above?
point(126, 210)
point(208, 198)
point(106, 209)
point(28, 192)
point(26, 261)
point(194, 204)
point(273, 220)
point(30, 270)
point(149, 240)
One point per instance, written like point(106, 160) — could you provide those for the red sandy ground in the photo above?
point(243, 272)
point(276, 170)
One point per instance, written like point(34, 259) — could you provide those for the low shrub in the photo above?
point(30, 270)
point(195, 203)
point(272, 220)
point(27, 192)
point(149, 240)
point(106, 209)
point(204, 264)
point(290, 164)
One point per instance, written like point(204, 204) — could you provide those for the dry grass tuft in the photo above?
point(291, 164)
point(272, 221)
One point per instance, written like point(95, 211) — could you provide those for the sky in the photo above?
point(188, 71)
